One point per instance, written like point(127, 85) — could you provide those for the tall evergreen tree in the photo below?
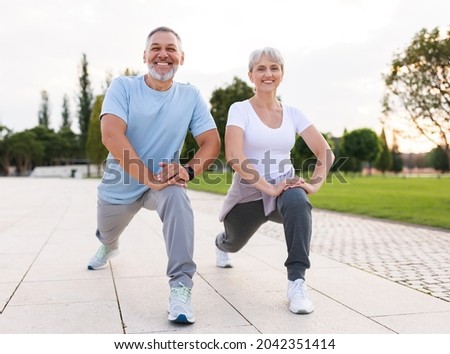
point(65, 114)
point(85, 100)
point(384, 162)
point(397, 161)
point(44, 110)
point(95, 150)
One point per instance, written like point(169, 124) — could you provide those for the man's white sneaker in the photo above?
point(298, 297)
point(101, 258)
point(223, 259)
point(180, 307)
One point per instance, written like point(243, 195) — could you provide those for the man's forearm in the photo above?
point(131, 163)
point(209, 148)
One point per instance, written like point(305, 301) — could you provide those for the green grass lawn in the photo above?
point(422, 201)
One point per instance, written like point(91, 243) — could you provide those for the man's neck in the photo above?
point(156, 84)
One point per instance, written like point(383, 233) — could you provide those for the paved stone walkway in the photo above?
point(418, 257)
point(368, 276)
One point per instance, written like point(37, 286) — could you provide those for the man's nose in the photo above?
point(162, 54)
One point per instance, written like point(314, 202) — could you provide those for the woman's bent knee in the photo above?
point(295, 198)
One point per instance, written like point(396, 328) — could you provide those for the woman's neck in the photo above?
point(266, 100)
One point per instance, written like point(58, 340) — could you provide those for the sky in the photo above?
point(335, 51)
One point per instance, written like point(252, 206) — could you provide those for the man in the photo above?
point(144, 121)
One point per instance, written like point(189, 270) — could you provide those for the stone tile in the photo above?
point(269, 313)
point(15, 266)
point(41, 271)
point(228, 281)
point(371, 295)
point(144, 303)
point(65, 318)
point(418, 323)
point(70, 291)
point(6, 291)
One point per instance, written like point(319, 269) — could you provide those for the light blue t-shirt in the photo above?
point(157, 124)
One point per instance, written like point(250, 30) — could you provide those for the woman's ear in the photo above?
point(250, 76)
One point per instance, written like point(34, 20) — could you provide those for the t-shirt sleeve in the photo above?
point(236, 116)
point(301, 122)
point(116, 100)
point(202, 120)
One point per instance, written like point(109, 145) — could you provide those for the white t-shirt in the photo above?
point(268, 149)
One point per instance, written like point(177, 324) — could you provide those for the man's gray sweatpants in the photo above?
point(174, 209)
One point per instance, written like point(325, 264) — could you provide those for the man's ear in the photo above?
point(182, 58)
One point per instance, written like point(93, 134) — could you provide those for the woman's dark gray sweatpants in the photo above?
point(293, 211)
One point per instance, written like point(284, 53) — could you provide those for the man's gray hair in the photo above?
point(164, 29)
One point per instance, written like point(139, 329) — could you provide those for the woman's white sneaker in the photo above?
point(223, 259)
point(299, 301)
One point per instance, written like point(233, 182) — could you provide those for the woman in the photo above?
point(260, 134)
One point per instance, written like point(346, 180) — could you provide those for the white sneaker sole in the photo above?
point(224, 265)
point(301, 311)
point(181, 318)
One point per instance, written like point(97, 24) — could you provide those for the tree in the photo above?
point(51, 145)
point(44, 110)
point(438, 159)
point(25, 150)
point(69, 146)
point(362, 144)
point(85, 99)
point(350, 164)
point(69, 142)
point(221, 100)
point(95, 150)
point(397, 161)
point(5, 153)
point(303, 158)
point(418, 86)
point(384, 162)
point(65, 114)
point(130, 72)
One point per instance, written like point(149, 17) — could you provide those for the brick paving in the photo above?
point(417, 257)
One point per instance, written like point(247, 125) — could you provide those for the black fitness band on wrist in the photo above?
point(190, 172)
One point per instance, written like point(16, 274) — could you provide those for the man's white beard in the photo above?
point(162, 77)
